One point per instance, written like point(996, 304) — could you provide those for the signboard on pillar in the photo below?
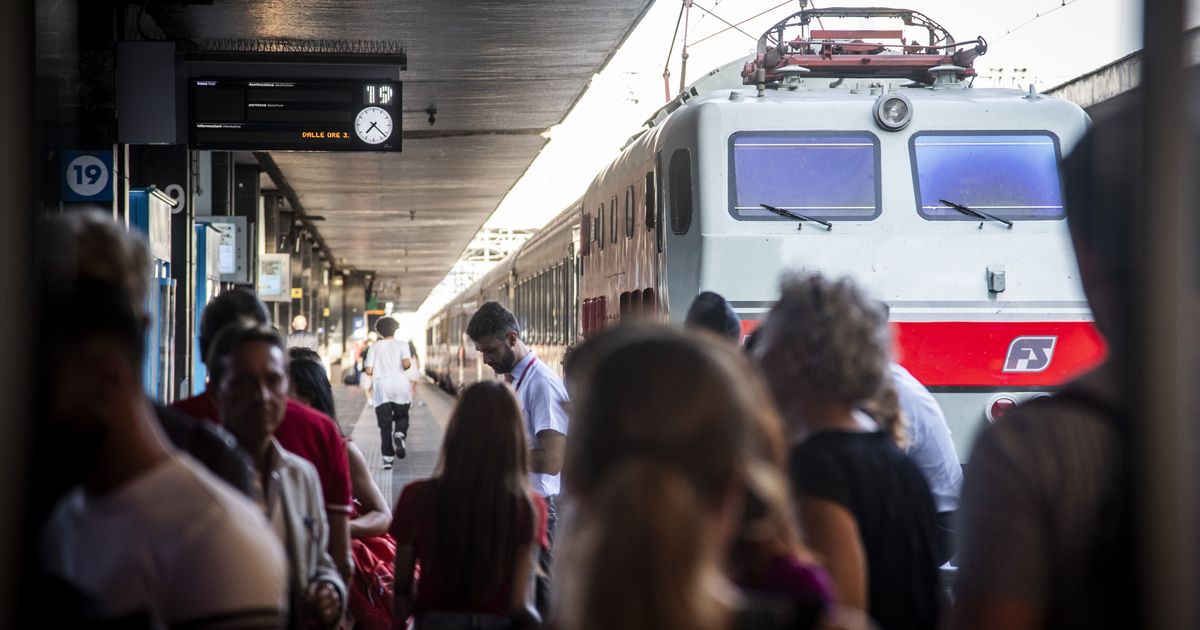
point(232, 252)
point(275, 278)
point(87, 176)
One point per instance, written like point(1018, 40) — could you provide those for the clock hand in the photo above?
point(373, 127)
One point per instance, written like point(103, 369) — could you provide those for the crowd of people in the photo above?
point(681, 478)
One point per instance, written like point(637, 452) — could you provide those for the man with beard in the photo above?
point(249, 378)
point(148, 535)
point(497, 337)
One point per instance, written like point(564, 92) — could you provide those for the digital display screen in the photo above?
point(261, 115)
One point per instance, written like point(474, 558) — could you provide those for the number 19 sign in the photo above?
point(87, 176)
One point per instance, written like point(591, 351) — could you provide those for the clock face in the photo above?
point(373, 125)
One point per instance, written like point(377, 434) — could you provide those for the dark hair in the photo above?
point(301, 353)
point(662, 424)
point(711, 312)
point(110, 316)
point(482, 490)
point(225, 309)
point(232, 337)
point(492, 320)
point(386, 326)
point(311, 383)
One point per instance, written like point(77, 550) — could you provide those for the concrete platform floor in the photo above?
point(427, 421)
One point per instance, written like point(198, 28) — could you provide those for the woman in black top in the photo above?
point(864, 507)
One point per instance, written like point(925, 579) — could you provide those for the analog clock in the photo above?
point(373, 125)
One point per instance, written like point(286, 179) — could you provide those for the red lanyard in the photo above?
point(517, 385)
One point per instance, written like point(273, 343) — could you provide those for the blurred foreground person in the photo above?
point(249, 375)
point(150, 536)
point(864, 507)
point(305, 431)
point(1048, 509)
point(475, 526)
point(665, 432)
point(91, 244)
point(371, 547)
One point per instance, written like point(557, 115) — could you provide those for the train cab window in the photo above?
point(629, 212)
point(1008, 175)
point(649, 199)
point(825, 175)
point(681, 191)
point(612, 219)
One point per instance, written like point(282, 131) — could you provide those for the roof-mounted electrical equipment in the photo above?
point(859, 53)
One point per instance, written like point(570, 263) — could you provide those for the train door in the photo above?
point(681, 228)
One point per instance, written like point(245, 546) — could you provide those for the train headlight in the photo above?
point(893, 112)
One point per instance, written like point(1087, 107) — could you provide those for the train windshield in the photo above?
point(1013, 176)
point(831, 176)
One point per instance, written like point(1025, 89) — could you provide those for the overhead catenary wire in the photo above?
point(757, 15)
point(1039, 15)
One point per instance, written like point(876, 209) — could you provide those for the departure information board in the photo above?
point(260, 115)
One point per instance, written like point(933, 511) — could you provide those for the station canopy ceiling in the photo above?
point(499, 73)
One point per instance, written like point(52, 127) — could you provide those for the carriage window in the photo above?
point(629, 212)
point(585, 235)
point(612, 219)
point(600, 226)
point(681, 191)
point(825, 175)
point(1013, 176)
point(650, 200)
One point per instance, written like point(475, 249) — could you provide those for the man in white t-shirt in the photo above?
point(931, 448)
point(540, 390)
point(392, 393)
point(148, 533)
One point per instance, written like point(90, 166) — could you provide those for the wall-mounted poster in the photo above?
point(275, 277)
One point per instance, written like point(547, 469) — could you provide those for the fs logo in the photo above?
point(1029, 354)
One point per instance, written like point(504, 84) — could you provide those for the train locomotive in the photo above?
point(847, 152)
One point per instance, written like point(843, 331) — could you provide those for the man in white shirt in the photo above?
point(931, 448)
point(148, 533)
point(392, 392)
point(540, 390)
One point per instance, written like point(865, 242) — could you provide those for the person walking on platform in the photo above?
point(300, 337)
point(250, 379)
point(391, 391)
point(472, 527)
point(497, 337)
point(148, 535)
point(305, 431)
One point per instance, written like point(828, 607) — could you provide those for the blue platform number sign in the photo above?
point(87, 176)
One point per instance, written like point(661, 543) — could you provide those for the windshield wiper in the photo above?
point(800, 217)
point(978, 214)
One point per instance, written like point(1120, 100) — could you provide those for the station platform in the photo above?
point(428, 416)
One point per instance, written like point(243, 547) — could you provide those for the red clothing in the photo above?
point(414, 525)
point(305, 432)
